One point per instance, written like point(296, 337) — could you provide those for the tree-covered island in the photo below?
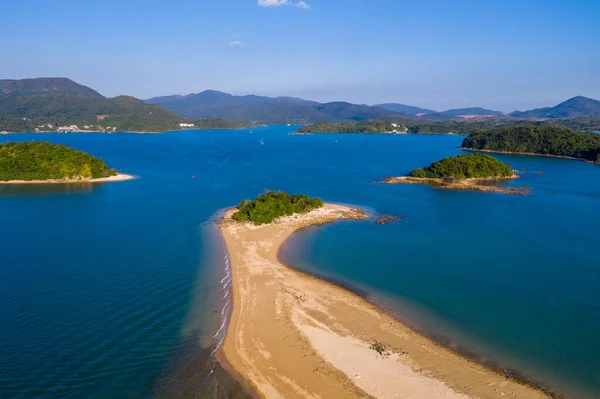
point(366, 127)
point(272, 205)
point(541, 140)
point(44, 161)
point(463, 172)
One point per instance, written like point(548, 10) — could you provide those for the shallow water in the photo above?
point(117, 290)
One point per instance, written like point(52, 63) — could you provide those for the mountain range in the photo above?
point(27, 103)
point(216, 104)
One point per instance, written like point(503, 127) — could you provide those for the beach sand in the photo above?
point(295, 336)
point(117, 177)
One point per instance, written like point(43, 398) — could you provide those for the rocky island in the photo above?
point(44, 162)
point(471, 172)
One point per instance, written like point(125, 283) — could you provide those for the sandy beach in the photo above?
point(295, 336)
point(117, 177)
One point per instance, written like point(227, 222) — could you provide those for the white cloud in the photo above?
point(278, 3)
point(237, 43)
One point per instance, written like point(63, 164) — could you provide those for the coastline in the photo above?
point(525, 153)
point(472, 184)
point(116, 178)
point(294, 335)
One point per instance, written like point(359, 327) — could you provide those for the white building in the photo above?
point(186, 125)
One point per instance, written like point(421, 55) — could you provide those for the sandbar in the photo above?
point(115, 178)
point(292, 335)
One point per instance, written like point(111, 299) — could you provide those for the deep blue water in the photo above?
point(106, 290)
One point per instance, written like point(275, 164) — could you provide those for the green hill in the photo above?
point(272, 205)
point(465, 167)
point(28, 87)
point(575, 107)
point(47, 104)
point(45, 161)
point(543, 140)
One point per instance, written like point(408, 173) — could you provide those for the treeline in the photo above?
point(544, 140)
point(45, 161)
point(465, 167)
point(375, 127)
point(273, 204)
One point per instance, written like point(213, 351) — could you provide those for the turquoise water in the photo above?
point(119, 290)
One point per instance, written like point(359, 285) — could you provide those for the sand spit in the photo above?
point(295, 336)
point(118, 177)
point(475, 184)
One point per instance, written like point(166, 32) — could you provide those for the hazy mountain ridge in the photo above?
point(472, 111)
point(574, 107)
point(211, 103)
point(405, 109)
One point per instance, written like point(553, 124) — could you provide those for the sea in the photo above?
point(122, 290)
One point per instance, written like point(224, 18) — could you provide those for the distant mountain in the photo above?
point(29, 87)
point(474, 111)
point(405, 109)
point(575, 107)
point(216, 104)
point(31, 103)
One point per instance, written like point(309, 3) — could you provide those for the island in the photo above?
point(366, 127)
point(274, 204)
point(292, 335)
point(554, 141)
point(471, 172)
point(44, 162)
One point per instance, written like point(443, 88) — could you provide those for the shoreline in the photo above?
point(118, 177)
point(471, 184)
point(527, 154)
point(294, 335)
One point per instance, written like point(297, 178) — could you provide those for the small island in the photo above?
point(44, 162)
point(267, 207)
point(471, 172)
point(553, 141)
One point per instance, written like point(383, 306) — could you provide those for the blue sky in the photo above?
point(501, 54)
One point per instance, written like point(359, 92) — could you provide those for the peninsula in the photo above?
point(470, 172)
point(44, 162)
point(537, 140)
point(295, 336)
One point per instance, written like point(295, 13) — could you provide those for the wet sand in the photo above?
point(118, 177)
point(292, 335)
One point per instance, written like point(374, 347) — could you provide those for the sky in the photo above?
point(439, 54)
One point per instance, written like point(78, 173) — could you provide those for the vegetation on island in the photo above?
point(273, 204)
point(47, 161)
point(543, 140)
point(375, 127)
point(464, 167)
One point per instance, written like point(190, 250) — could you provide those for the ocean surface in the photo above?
point(120, 290)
